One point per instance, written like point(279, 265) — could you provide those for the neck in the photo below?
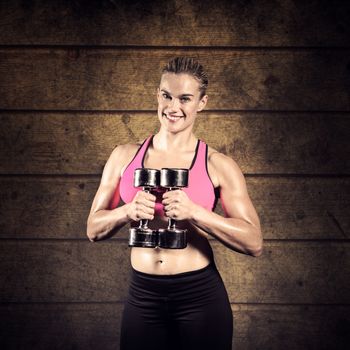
point(165, 140)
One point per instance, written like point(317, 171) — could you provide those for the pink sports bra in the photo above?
point(200, 187)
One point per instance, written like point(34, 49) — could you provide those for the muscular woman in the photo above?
point(176, 298)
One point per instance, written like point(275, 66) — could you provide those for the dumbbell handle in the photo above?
point(144, 222)
point(172, 222)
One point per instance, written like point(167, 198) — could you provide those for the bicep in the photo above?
point(107, 191)
point(234, 196)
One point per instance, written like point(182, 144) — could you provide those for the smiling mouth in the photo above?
point(172, 118)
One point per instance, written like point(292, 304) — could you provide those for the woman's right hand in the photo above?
point(141, 207)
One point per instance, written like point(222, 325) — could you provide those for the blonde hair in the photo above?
point(189, 66)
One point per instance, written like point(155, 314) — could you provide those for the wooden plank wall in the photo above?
point(78, 78)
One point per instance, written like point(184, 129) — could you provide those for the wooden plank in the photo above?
point(61, 271)
point(126, 79)
point(288, 272)
point(94, 326)
point(261, 143)
point(60, 326)
point(288, 207)
point(225, 23)
point(291, 327)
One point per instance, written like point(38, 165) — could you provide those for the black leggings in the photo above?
point(188, 310)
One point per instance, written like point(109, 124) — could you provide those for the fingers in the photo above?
point(173, 201)
point(141, 214)
point(172, 212)
point(177, 205)
point(174, 196)
point(146, 203)
point(145, 199)
point(143, 206)
point(172, 193)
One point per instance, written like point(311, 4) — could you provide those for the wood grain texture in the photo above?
point(78, 78)
point(288, 207)
point(261, 143)
point(294, 272)
point(76, 271)
point(126, 79)
point(175, 23)
point(95, 326)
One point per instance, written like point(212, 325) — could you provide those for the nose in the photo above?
point(174, 104)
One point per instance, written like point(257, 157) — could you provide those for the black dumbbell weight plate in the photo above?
point(172, 238)
point(174, 177)
point(146, 177)
point(145, 238)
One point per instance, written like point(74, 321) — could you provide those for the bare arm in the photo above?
point(240, 229)
point(104, 222)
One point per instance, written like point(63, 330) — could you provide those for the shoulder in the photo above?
point(125, 150)
point(225, 169)
point(122, 155)
point(220, 160)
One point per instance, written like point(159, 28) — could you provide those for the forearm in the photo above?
point(105, 223)
point(236, 233)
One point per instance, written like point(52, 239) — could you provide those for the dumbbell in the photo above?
point(143, 236)
point(172, 237)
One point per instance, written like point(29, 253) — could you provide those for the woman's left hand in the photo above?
point(177, 205)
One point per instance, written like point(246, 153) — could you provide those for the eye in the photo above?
point(186, 99)
point(165, 95)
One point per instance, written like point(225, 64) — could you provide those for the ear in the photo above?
point(202, 103)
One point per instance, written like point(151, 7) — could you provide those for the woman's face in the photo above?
point(178, 101)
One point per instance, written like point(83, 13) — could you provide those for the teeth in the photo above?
point(170, 117)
